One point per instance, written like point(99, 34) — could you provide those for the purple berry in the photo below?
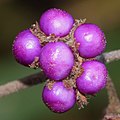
point(92, 40)
point(93, 78)
point(57, 22)
point(26, 48)
point(59, 99)
point(56, 60)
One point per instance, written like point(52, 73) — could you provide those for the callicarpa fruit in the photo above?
point(56, 60)
point(65, 49)
point(26, 48)
point(93, 78)
point(91, 38)
point(58, 98)
point(56, 21)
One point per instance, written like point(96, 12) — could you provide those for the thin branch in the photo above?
point(112, 56)
point(112, 94)
point(109, 56)
point(113, 109)
point(38, 78)
point(22, 83)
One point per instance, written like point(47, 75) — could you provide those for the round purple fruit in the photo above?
point(56, 60)
point(93, 78)
point(56, 21)
point(26, 48)
point(91, 38)
point(59, 99)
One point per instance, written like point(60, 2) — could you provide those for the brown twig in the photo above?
point(38, 78)
point(113, 110)
point(109, 56)
point(112, 56)
point(22, 83)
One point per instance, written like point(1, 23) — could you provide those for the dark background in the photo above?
point(17, 15)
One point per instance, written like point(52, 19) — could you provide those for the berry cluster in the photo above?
point(65, 49)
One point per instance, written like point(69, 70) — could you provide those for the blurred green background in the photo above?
point(17, 15)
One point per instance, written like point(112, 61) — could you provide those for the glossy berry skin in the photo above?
point(26, 47)
point(56, 60)
point(56, 21)
point(93, 78)
point(91, 38)
point(59, 99)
